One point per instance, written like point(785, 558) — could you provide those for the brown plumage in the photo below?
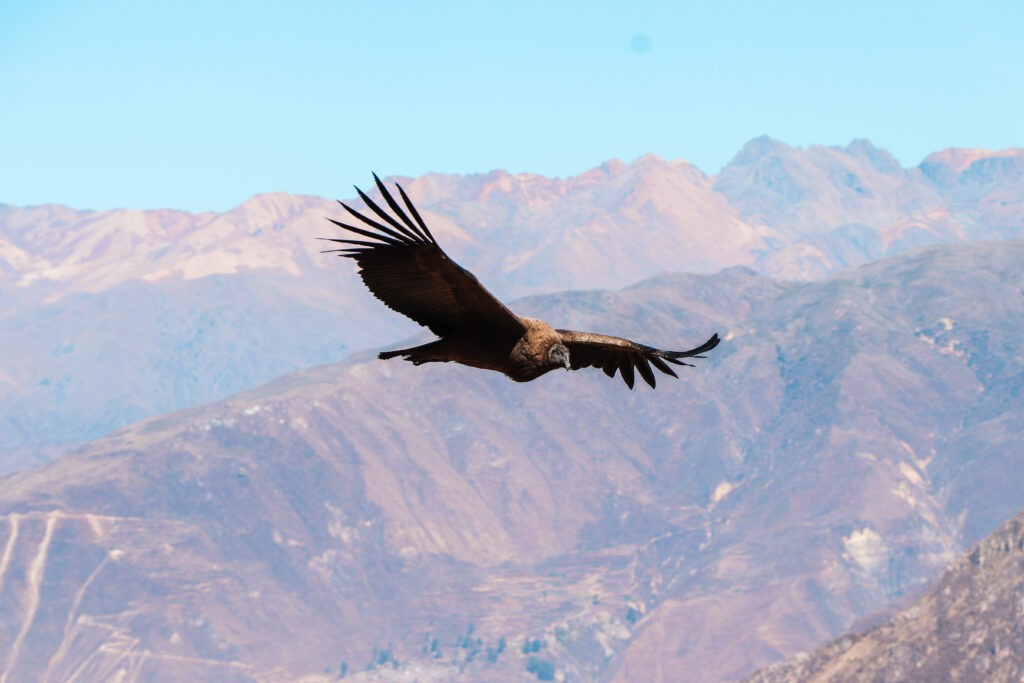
point(403, 265)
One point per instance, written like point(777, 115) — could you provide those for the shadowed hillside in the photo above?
point(965, 628)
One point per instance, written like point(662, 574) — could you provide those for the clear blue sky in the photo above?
point(198, 105)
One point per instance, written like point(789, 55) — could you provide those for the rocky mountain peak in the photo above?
point(757, 150)
point(880, 159)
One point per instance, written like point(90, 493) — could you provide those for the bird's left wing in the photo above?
point(587, 349)
point(403, 265)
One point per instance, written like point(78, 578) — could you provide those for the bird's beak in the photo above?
point(566, 363)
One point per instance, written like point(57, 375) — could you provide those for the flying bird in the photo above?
point(403, 266)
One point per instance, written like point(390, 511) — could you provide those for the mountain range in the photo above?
point(111, 316)
point(376, 521)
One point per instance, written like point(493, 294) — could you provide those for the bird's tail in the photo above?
point(417, 355)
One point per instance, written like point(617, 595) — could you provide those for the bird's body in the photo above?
point(406, 269)
point(530, 357)
point(526, 360)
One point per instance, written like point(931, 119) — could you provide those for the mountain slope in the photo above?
point(441, 521)
point(965, 628)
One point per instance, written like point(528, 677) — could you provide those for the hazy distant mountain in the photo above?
point(839, 207)
point(110, 316)
point(966, 628)
point(848, 438)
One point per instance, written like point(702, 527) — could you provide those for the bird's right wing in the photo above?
point(587, 349)
point(404, 267)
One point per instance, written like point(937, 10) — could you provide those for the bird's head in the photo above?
point(558, 355)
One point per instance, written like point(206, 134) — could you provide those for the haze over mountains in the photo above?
point(848, 438)
point(111, 316)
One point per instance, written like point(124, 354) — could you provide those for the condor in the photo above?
point(403, 266)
